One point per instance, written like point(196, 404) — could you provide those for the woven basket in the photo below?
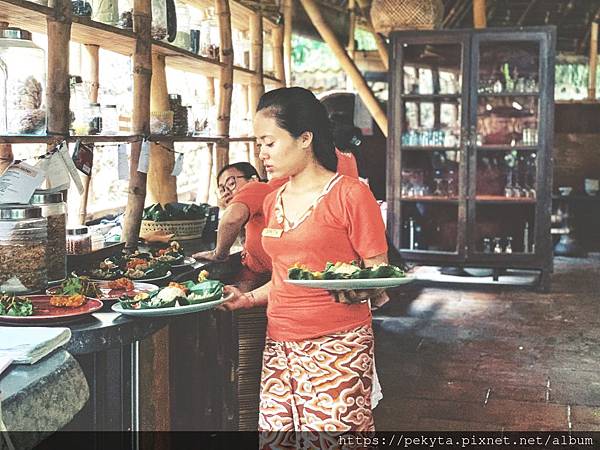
point(390, 15)
point(183, 229)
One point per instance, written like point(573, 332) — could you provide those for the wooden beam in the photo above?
point(140, 121)
point(162, 186)
point(593, 61)
point(91, 68)
point(351, 47)
point(225, 81)
point(380, 42)
point(57, 86)
point(479, 16)
point(278, 58)
point(288, 17)
point(347, 64)
point(6, 157)
point(257, 88)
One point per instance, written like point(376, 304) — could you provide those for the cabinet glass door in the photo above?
point(504, 145)
point(431, 113)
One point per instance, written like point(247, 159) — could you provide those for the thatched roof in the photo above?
point(572, 17)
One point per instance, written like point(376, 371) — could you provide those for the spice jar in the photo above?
point(22, 85)
point(55, 212)
point(94, 115)
point(23, 242)
point(79, 241)
point(110, 120)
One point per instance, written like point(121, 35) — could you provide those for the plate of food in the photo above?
point(343, 276)
point(174, 299)
point(172, 255)
point(187, 261)
point(136, 267)
point(45, 308)
point(102, 290)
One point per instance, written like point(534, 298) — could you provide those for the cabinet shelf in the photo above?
point(417, 148)
point(508, 94)
point(499, 199)
point(507, 148)
point(32, 17)
point(430, 97)
point(430, 199)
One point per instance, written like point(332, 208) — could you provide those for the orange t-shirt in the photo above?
point(345, 225)
point(346, 166)
point(253, 195)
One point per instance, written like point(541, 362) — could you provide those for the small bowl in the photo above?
point(565, 190)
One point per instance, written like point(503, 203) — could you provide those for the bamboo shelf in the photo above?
point(121, 138)
point(239, 14)
point(32, 17)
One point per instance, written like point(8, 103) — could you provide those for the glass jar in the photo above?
point(79, 241)
point(23, 246)
point(81, 8)
point(159, 19)
point(55, 212)
point(94, 118)
point(78, 105)
point(182, 39)
point(110, 119)
point(161, 122)
point(22, 86)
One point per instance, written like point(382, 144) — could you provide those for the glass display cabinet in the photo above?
point(469, 153)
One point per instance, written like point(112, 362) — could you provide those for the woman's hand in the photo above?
point(240, 300)
point(351, 297)
point(210, 255)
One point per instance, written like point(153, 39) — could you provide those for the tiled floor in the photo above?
point(470, 358)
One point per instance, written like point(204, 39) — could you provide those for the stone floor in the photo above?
point(479, 358)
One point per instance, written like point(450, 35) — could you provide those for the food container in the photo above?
point(110, 120)
point(79, 241)
point(94, 118)
point(105, 11)
point(55, 212)
point(22, 86)
point(81, 8)
point(23, 243)
point(159, 19)
point(161, 122)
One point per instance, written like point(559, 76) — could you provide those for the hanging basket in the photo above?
point(391, 15)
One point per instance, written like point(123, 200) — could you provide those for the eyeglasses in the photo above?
point(229, 185)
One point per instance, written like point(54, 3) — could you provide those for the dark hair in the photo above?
point(297, 110)
point(247, 170)
point(347, 137)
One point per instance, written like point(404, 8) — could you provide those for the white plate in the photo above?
point(188, 261)
point(336, 285)
point(136, 280)
point(172, 311)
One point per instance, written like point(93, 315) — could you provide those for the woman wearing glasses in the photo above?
point(318, 358)
point(242, 194)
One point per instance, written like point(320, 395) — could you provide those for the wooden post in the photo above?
point(593, 61)
point(479, 16)
point(57, 87)
point(379, 40)
point(225, 82)
point(347, 64)
point(208, 173)
point(351, 47)
point(140, 121)
point(162, 186)
point(257, 88)
point(278, 59)
point(288, 17)
point(91, 68)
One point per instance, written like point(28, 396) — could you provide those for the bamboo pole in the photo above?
point(479, 16)
point(162, 186)
point(593, 61)
point(278, 59)
point(57, 86)
point(351, 47)
point(140, 122)
point(91, 68)
point(257, 88)
point(382, 48)
point(347, 64)
point(208, 173)
point(225, 81)
point(288, 17)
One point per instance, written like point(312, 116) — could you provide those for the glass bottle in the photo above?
point(497, 245)
point(22, 85)
point(105, 11)
point(508, 248)
point(159, 19)
point(487, 245)
point(94, 116)
point(110, 120)
point(81, 8)
point(78, 104)
point(182, 39)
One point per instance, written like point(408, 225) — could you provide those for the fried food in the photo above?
point(124, 284)
point(67, 301)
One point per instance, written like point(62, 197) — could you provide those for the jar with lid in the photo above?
point(77, 105)
point(105, 11)
point(81, 8)
point(110, 119)
point(55, 212)
point(182, 39)
point(79, 241)
point(23, 246)
point(94, 118)
point(159, 20)
point(22, 86)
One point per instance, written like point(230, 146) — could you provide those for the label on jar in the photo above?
point(144, 161)
point(63, 152)
point(57, 176)
point(123, 162)
point(178, 166)
point(18, 183)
